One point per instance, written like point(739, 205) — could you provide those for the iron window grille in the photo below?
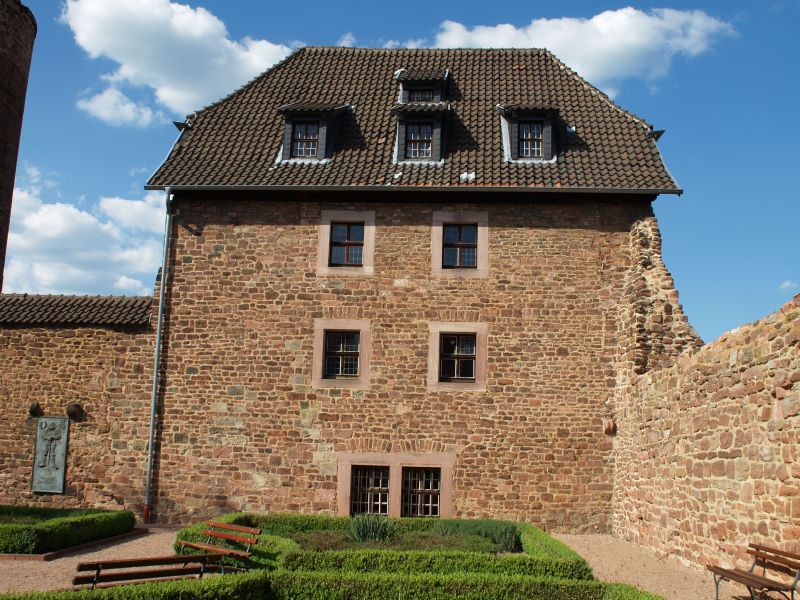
point(305, 139)
point(347, 245)
point(420, 95)
point(530, 139)
point(341, 354)
point(369, 490)
point(457, 357)
point(460, 246)
point(419, 140)
point(421, 492)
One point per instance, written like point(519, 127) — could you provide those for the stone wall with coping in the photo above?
point(708, 453)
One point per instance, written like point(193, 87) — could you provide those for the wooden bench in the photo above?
point(224, 533)
point(106, 573)
point(766, 559)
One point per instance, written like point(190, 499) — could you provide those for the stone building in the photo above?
point(398, 281)
point(17, 32)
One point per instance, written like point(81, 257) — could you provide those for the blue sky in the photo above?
point(108, 77)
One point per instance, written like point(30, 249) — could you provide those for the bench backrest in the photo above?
point(229, 532)
point(129, 563)
point(774, 559)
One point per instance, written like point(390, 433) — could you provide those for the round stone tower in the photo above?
point(17, 32)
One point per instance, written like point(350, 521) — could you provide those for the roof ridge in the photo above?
point(598, 92)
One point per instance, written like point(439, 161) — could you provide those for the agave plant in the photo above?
point(371, 527)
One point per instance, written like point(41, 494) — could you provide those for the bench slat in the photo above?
point(787, 563)
point(240, 528)
point(216, 549)
point(229, 536)
point(748, 579)
point(134, 575)
point(783, 553)
point(150, 562)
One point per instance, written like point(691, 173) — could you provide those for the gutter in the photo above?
point(404, 188)
point(148, 490)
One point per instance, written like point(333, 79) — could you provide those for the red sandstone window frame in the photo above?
point(442, 218)
point(435, 332)
point(326, 220)
point(396, 463)
point(318, 378)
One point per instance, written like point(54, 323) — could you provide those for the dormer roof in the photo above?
point(601, 147)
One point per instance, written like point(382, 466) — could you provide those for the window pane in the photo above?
point(469, 234)
point(466, 368)
point(351, 341)
point(466, 344)
point(350, 365)
point(449, 344)
point(469, 257)
point(332, 365)
point(448, 369)
point(337, 255)
point(357, 232)
point(451, 234)
point(425, 150)
point(339, 232)
point(450, 257)
point(333, 341)
point(355, 255)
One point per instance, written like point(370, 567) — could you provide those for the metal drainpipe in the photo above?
point(157, 357)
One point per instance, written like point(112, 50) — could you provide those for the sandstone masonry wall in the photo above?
point(17, 32)
point(244, 428)
point(109, 373)
point(708, 451)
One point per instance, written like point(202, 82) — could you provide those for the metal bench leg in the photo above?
point(717, 582)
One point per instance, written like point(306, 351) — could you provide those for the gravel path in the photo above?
point(614, 560)
point(28, 575)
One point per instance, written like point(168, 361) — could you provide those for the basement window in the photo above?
point(421, 492)
point(369, 490)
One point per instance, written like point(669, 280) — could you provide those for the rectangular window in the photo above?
point(420, 95)
point(457, 357)
point(347, 245)
point(369, 490)
point(419, 140)
point(305, 139)
point(530, 139)
point(460, 246)
point(421, 492)
point(341, 354)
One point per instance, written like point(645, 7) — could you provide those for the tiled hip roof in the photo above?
point(119, 311)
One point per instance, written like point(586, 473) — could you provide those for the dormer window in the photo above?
point(419, 140)
point(420, 95)
point(309, 134)
point(305, 139)
point(528, 133)
point(530, 139)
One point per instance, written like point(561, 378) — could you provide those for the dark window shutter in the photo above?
point(436, 140)
point(547, 140)
point(287, 140)
point(401, 139)
point(513, 132)
point(322, 148)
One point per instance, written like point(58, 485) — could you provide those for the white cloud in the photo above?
point(58, 248)
point(348, 40)
point(115, 108)
point(606, 49)
point(146, 214)
point(788, 285)
point(183, 54)
point(412, 43)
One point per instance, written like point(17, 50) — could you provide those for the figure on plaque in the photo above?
point(51, 433)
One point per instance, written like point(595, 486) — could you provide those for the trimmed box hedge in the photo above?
point(300, 585)
point(59, 528)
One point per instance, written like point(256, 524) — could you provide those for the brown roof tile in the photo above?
point(121, 311)
point(235, 141)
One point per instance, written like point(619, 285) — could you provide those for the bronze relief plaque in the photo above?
point(50, 455)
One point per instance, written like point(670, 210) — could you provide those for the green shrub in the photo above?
point(503, 534)
point(371, 528)
point(439, 562)
point(298, 585)
point(63, 531)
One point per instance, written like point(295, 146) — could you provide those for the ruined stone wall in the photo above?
point(708, 451)
point(17, 32)
point(244, 428)
point(108, 372)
